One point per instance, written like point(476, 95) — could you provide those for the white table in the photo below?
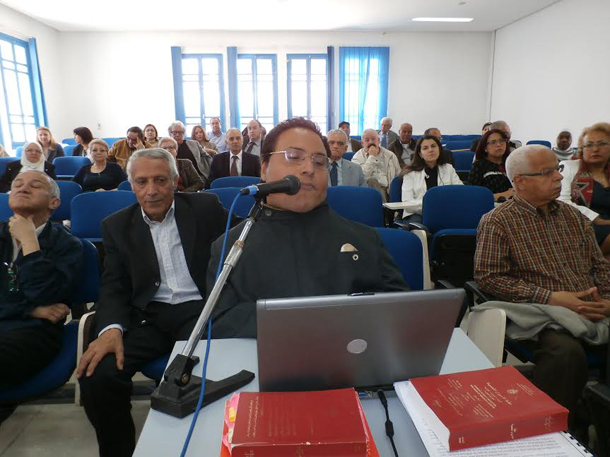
point(164, 435)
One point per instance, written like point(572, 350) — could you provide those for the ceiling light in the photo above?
point(442, 19)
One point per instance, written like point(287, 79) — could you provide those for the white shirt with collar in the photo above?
point(239, 161)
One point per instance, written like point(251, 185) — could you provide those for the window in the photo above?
point(20, 111)
point(308, 87)
point(202, 90)
point(363, 97)
point(257, 89)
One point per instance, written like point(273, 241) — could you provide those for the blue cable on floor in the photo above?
point(207, 349)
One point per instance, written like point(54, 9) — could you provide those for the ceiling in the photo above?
point(274, 15)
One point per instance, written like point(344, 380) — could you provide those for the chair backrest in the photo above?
point(125, 185)
point(542, 142)
point(455, 207)
point(360, 204)
point(88, 288)
point(69, 141)
point(111, 140)
point(69, 166)
point(90, 208)
point(69, 150)
point(235, 181)
point(406, 250)
point(3, 162)
point(18, 151)
point(68, 190)
point(226, 195)
point(454, 145)
point(396, 189)
point(463, 160)
point(5, 211)
point(348, 155)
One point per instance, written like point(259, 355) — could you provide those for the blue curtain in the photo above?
point(178, 89)
point(233, 100)
point(40, 105)
point(330, 81)
point(358, 66)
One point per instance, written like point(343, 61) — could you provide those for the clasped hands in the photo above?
point(595, 310)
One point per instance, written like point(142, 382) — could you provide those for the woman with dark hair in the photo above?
point(198, 134)
point(151, 136)
point(488, 168)
point(50, 148)
point(83, 136)
point(427, 170)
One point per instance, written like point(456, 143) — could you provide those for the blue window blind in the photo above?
point(21, 98)
point(363, 82)
point(257, 89)
point(308, 87)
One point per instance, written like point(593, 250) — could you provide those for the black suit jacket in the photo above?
point(13, 169)
point(251, 165)
point(131, 271)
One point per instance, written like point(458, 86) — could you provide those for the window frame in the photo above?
point(254, 58)
point(307, 58)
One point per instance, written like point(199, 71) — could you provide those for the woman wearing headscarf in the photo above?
point(31, 159)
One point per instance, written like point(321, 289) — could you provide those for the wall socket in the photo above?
point(99, 126)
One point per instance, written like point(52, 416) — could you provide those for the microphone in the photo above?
point(289, 185)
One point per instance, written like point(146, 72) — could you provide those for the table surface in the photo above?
point(165, 435)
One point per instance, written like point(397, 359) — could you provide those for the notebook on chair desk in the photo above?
point(366, 341)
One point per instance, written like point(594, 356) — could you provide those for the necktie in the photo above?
point(250, 146)
point(334, 174)
point(384, 140)
point(234, 166)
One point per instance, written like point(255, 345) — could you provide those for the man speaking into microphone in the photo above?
point(299, 245)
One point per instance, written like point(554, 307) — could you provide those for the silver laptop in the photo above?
point(366, 341)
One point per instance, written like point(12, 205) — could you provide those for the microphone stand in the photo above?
point(178, 392)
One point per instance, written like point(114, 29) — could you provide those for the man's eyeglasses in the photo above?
point(176, 132)
point(297, 157)
point(546, 173)
point(169, 148)
point(601, 144)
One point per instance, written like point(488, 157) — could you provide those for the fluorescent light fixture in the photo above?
point(442, 19)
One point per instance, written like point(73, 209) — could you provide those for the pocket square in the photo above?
point(347, 247)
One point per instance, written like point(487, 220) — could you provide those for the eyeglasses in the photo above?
point(297, 156)
point(601, 144)
point(337, 143)
point(169, 148)
point(496, 142)
point(546, 173)
point(176, 132)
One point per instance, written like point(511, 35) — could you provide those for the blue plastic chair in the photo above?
point(111, 140)
point(18, 152)
point(156, 368)
point(67, 167)
point(68, 190)
point(226, 195)
point(454, 145)
point(125, 185)
point(4, 161)
point(235, 181)
point(69, 150)
point(58, 372)
point(406, 250)
point(69, 141)
point(90, 208)
point(396, 189)
point(542, 142)
point(349, 155)
point(360, 204)
point(5, 211)
point(463, 160)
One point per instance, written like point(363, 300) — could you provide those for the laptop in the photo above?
point(366, 341)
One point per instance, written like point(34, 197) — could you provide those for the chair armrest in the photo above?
point(84, 330)
point(472, 289)
point(445, 284)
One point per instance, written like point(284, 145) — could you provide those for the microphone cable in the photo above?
point(389, 426)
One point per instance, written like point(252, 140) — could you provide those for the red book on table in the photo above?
point(481, 407)
point(307, 424)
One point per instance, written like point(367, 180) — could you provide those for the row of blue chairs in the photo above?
point(65, 167)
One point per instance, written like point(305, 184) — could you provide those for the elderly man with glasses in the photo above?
point(540, 257)
point(191, 150)
point(299, 246)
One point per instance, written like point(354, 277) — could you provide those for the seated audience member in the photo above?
point(3, 152)
point(488, 167)
point(353, 145)
point(299, 246)
point(100, 174)
point(404, 146)
point(427, 170)
point(198, 134)
point(191, 150)
point(563, 149)
point(151, 136)
point(50, 147)
point(216, 136)
point(255, 138)
point(446, 152)
point(501, 125)
point(31, 159)
point(83, 136)
point(342, 172)
point(538, 251)
point(235, 162)
point(379, 165)
point(152, 291)
point(484, 130)
point(188, 178)
point(40, 263)
point(121, 151)
point(586, 181)
point(386, 135)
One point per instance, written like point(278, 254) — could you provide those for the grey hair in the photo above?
point(153, 153)
point(518, 161)
point(370, 130)
point(167, 138)
point(176, 124)
point(387, 119)
point(337, 131)
point(215, 117)
point(234, 128)
point(498, 125)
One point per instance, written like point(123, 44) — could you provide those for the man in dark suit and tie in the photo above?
point(255, 138)
point(235, 162)
point(152, 292)
point(342, 172)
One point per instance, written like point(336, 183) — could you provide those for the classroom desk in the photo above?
point(164, 435)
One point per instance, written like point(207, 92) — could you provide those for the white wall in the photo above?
point(551, 70)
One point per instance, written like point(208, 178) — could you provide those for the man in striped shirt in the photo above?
point(535, 249)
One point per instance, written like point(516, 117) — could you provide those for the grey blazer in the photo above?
point(392, 136)
point(351, 174)
point(204, 160)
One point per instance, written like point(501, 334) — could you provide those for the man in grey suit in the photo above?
point(386, 136)
point(342, 172)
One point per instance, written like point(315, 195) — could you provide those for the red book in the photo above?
point(481, 407)
point(308, 424)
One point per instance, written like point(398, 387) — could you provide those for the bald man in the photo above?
point(235, 162)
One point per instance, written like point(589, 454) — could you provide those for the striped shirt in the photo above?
point(524, 254)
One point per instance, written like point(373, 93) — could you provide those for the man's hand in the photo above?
point(23, 231)
point(53, 313)
point(111, 341)
point(597, 310)
point(373, 150)
point(571, 300)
